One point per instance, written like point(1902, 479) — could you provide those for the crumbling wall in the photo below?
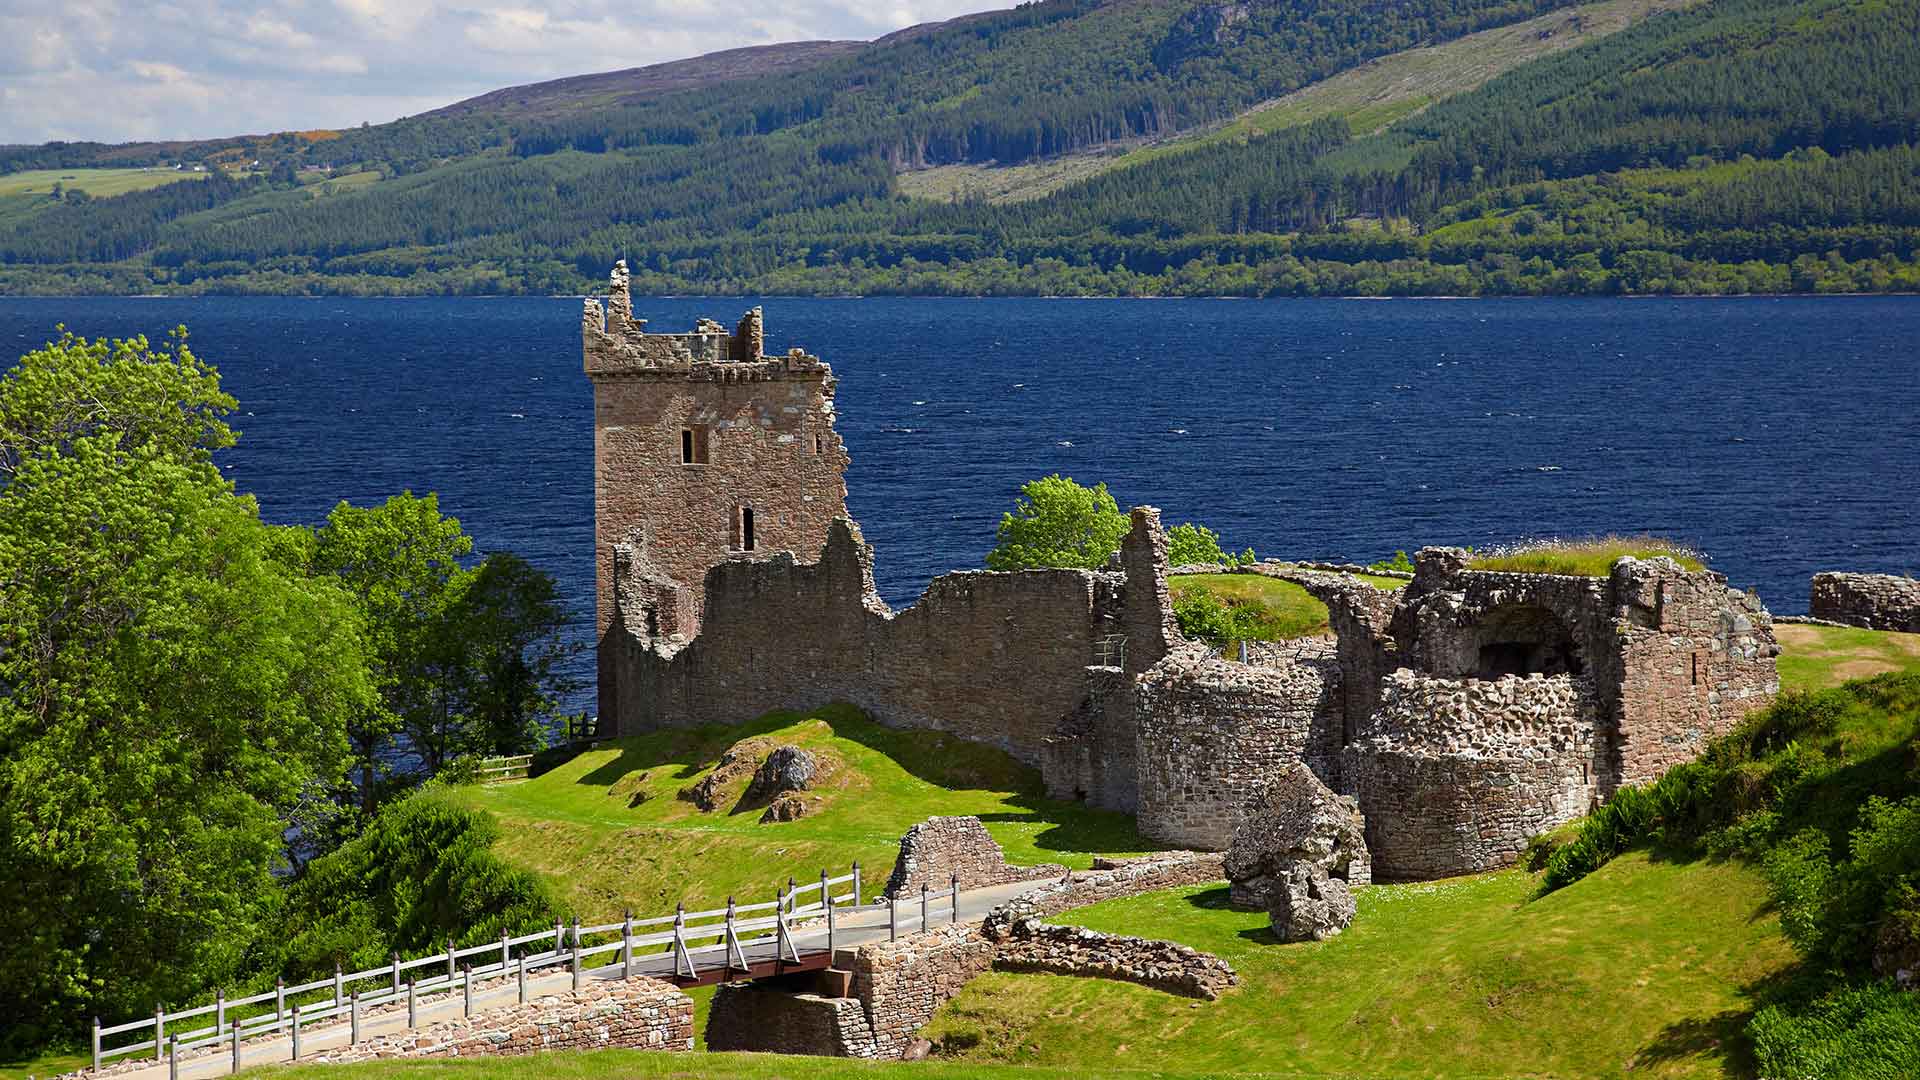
point(1454, 775)
point(633, 1014)
point(903, 983)
point(1874, 601)
point(997, 658)
point(1212, 733)
point(941, 849)
point(1695, 658)
point(1034, 946)
point(1093, 755)
point(704, 450)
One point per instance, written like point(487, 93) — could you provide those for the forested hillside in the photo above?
point(1733, 146)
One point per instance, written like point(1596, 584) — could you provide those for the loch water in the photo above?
point(1781, 436)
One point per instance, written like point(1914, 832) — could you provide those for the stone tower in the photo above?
point(704, 450)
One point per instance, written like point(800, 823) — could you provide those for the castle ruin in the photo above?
point(1466, 713)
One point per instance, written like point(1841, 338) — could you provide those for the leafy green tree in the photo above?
point(469, 660)
point(399, 561)
point(423, 870)
point(170, 685)
point(1056, 522)
point(1189, 543)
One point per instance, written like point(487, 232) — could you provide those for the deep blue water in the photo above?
point(1780, 436)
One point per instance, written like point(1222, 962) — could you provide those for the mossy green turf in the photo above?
point(1817, 657)
point(1642, 968)
point(1287, 611)
point(1584, 558)
point(578, 827)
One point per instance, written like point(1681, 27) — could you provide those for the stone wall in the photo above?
point(939, 849)
point(767, 1017)
point(634, 1014)
point(1212, 732)
point(1093, 755)
point(997, 658)
point(1875, 601)
point(903, 983)
point(1110, 879)
point(1454, 775)
point(1695, 657)
point(693, 435)
point(1034, 946)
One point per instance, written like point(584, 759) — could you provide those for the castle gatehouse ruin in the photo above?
point(1465, 713)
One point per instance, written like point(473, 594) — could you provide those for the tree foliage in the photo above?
point(1056, 522)
point(170, 685)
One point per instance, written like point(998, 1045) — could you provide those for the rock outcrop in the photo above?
point(787, 769)
point(1296, 824)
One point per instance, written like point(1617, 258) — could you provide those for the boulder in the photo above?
point(788, 807)
point(788, 769)
point(1306, 904)
point(1295, 823)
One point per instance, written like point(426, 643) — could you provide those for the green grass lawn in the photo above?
point(1643, 969)
point(1816, 657)
point(48, 1063)
point(653, 1065)
point(1593, 557)
point(607, 829)
point(99, 183)
point(1265, 608)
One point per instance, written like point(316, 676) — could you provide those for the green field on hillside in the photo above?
point(1816, 657)
point(100, 183)
point(609, 830)
point(1370, 97)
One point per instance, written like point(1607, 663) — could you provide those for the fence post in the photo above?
point(893, 917)
point(506, 952)
point(466, 985)
point(856, 884)
point(626, 946)
point(353, 1036)
point(793, 900)
point(956, 899)
point(727, 940)
point(279, 999)
point(159, 1033)
point(826, 890)
point(450, 959)
point(296, 1031)
point(219, 1015)
point(339, 987)
point(96, 1044)
point(780, 929)
point(396, 973)
point(413, 1003)
point(173, 1057)
point(576, 952)
point(923, 905)
point(679, 945)
point(236, 1045)
point(830, 919)
point(559, 935)
point(523, 978)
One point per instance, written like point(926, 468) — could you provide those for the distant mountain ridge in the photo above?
point(1274, 147)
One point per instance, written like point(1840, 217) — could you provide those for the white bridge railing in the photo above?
point(717, 940)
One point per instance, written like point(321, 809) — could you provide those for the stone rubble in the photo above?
point(1297, 823)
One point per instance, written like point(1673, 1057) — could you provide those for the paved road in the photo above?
point(851, 929)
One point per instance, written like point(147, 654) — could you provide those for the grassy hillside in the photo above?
point(609, 830)
point(1723, 146)
point(1647, 969)
point(1369, 97)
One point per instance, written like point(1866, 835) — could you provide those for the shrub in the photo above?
point(1869, 1031)
point(1399, 564)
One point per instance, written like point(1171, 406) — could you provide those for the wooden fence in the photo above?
point(693, 946)
point(495, 770)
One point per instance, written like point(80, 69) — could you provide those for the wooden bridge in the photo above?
point(799, 930)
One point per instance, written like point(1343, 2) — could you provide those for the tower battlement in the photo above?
point(705, 451)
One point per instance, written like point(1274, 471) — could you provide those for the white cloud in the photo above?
point(119, 70)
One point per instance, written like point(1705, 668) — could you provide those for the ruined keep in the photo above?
point(1465, 713)
point(704, 450)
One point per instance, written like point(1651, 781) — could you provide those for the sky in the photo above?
point(125, 70)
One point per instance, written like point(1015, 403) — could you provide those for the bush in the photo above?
point(424, 870)
point(1399, 564)
point(1190, 544)
point(1869, 1031)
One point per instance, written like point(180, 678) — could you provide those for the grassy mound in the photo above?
point(1641, 968)
point(1819, 657)
point(1223, 608)
point(1591, 557)
point(609, 830)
